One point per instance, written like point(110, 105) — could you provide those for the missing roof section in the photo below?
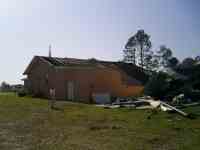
point(54, 61)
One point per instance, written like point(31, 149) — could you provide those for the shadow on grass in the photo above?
point(56, 108)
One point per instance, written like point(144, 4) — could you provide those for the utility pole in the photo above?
point(49, 50)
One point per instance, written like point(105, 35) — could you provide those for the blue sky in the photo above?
point(91, 28)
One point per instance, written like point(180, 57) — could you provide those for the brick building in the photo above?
point(78, 79)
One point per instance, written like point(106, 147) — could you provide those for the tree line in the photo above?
point(168, 76)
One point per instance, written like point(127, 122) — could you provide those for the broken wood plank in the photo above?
point(175, 109)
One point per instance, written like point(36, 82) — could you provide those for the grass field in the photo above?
point(27, 123)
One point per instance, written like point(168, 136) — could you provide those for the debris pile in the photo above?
point(148, 102)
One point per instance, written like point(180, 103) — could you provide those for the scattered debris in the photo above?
point(111, 106)
point(188, 105)
point(175, 109)
point(148, 102)
point(163, 108)
point(180, 99)
point(145, 107)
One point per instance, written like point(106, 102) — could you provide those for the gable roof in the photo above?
point(133, 71)
point(135, 74)
point(58, 62)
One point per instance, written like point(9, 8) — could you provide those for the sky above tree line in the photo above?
point(92, 29)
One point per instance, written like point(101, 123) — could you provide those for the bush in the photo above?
point(22, 93)
point(157, 86)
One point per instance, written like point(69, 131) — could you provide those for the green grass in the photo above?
point(27, 123)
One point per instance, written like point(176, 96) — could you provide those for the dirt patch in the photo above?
point(15, 135)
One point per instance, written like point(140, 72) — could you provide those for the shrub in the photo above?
point(21, 93)
point(157, 86)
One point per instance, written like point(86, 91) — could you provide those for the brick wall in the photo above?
point(87, 80)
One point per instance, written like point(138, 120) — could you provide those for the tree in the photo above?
point(150, 61)
point(189, 68)
point(197, 58)
point(188, 62)
point(164, 55)
point(140, 42)
point(130, 55)
point(157, 86)
point(173, 62)
point(5, 87)
point(186, 67)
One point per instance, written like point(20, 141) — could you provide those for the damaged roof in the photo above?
point(135, 73)
point(65, 61)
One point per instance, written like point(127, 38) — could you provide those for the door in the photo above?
point(70, 90)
